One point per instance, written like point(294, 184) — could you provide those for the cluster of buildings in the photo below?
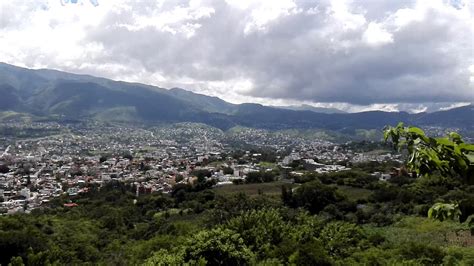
point(36, 169)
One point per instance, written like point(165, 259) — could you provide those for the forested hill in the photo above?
point(61, 95)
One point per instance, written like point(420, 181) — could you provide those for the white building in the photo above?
point(25, 192)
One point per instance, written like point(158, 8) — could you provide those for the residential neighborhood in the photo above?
point(35, 170)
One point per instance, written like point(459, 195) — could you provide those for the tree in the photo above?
point(201, 173)
point(163, 257)
point(103, 158)
point(4, 169)
point(218, 247)
point(16, 261)
point(261, 176)
point(313, 196)
point(128, 156)
point(311, 253)
point(341, 239)
point(449, 155)
point(179, 178)
point(260, 229)
point(228, 171)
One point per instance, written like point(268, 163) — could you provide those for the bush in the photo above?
point(459, 256)
point(163, 257)
point(4, 169)
point(260, 229)
point(262, 176)
point(314, 196)
point(384, 193)
point(422, 252)
point(380, 219)
point(218, 247)
point(311, 253)
point(341, 239)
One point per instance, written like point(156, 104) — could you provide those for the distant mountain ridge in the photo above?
point(206, 103)
point(61, 95)
point(306, 107)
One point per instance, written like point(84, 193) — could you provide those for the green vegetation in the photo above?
point(355, 193)
point(444, 211)
point(118, 114)
point(262, 176)
point(264, 223)
point(14, 116)
point(342, 218)
point(450, 156)
point(371, 134)
point(267, 165)
point(269, 189)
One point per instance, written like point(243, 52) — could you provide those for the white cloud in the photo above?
point(454, 105)
point(49, 33)
point(349, 20)
point(375, 35)
point(389, 55)
point(471, 69)
point(268, 11)
point(177, 20)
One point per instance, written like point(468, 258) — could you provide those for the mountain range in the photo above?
point(306, 107)
point(54, 94)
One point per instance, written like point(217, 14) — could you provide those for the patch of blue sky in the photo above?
point(93, 2)
point(458, 4)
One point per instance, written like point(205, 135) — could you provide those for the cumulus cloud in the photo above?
point(357, 55)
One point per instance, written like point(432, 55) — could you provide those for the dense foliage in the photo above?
point(313, 224)
point(450, 155)
point(343, 218)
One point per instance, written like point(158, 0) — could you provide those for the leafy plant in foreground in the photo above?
point(444, 211)
point(450, 155)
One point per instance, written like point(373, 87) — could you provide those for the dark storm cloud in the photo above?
point(310, 51)
point(356, 52)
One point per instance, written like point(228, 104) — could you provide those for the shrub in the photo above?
point(314, 196)
point(422, 252)
point(218, 247)
point(341, 239)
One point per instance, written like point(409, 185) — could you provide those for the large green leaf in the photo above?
point(470, 157)
point(444, 141)
point(416, 130)
point(448, 155)
point(455, 137)
point(466, 147)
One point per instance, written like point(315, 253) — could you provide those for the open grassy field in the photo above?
point(354, 193)
point(273, 188)
point(423, 229)
point(14, 116)
point(268, 165)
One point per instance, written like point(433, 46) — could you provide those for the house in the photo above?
point(311, 165)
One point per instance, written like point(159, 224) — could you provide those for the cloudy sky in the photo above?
point(353, 55)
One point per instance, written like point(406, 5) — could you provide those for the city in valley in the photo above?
point(43, 160)
point(236, 132)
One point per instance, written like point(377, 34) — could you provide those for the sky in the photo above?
point(404, 55)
